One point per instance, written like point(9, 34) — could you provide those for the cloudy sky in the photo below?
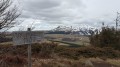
point(48, 14)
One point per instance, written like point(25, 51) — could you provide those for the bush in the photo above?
point(41, 49)
point(51, 50)
point(10, 61)
point(76, 53)
point(108, 37)
point(44, 50)
point(5, 39)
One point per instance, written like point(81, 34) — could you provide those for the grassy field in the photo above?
point(72, 39)
point(55, 51)
point(54, 55)
point(51, 54)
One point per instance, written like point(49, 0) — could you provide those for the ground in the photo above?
point(83, 62)
point(55, 52)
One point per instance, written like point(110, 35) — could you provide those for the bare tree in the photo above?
point(8, 14)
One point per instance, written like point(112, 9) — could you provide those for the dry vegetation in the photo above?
point(74, 39)
point(107, 37)
point(53, 55)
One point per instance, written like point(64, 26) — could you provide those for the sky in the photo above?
point(48, 14)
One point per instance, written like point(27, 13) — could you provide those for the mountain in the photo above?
point(73, 30)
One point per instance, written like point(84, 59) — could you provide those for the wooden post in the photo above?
point(29, 51)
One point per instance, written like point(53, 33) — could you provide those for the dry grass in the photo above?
point(12, 61)
point(59, 37)
point(63, 62)
point(4, 43)
point(60, 62)
point(114, 61)
point(53, 55)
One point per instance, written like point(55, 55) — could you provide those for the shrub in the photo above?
point(51, 50)
point(45, 50)
point(76, 53)
point(11, 61)
point(108, 37)
point(5, 39)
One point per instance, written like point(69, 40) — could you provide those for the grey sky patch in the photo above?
point(51, 10)
point(51, 13)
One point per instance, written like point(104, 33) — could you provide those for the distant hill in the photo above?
point(71, 30)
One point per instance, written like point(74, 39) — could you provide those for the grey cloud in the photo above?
point(52, 11)
point(70, 12)
point(33, 5)
point(96, 22)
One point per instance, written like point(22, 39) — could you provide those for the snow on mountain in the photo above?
point(76, 30)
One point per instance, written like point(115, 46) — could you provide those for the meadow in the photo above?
point(68, 39)
point(58, 50)
point(51, 54)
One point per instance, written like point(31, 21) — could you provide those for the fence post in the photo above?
point(29, 50)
